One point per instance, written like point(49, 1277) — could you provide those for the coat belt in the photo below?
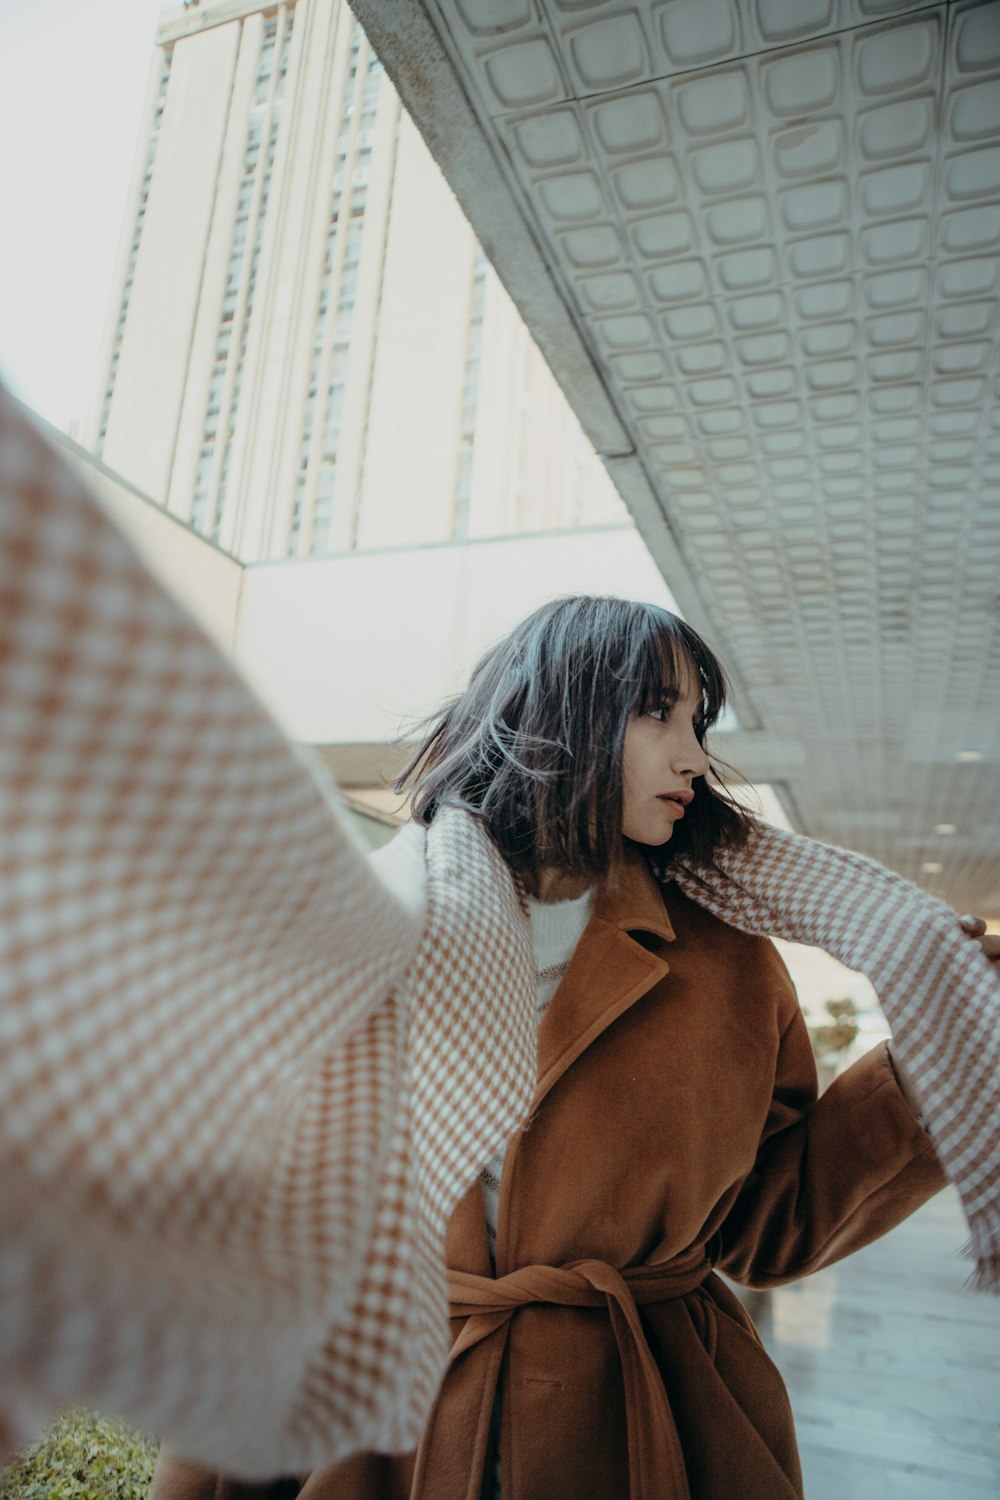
point(656, 1461)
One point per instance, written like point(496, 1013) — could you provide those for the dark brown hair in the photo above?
point(534, 744)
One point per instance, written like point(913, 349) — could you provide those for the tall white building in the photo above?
point(311, 367)
point(309, 353)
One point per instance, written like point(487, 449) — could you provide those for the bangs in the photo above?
point(671, 656)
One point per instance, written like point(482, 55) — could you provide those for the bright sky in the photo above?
point(72, 83)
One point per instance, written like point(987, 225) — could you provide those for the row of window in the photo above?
point(470, 397)
point(215, 455)
point(133, 254)
point(310, 527)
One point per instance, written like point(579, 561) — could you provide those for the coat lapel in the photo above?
point(609, 970)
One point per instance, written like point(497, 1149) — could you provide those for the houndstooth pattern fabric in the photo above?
point(472, 1068)
point(938, 990)
point(243, 1074)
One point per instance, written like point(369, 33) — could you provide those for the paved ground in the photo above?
point(893, 1368)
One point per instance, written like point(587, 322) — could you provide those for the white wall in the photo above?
point(346, 649)
point(202, 577)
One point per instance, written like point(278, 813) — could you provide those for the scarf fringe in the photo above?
point(985, 1276)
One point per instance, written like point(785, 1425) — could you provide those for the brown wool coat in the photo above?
point(675, 1125)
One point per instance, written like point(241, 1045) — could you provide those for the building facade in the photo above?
point(308, 352)
point(321, 418)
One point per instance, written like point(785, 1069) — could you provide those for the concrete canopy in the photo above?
point(758, 242)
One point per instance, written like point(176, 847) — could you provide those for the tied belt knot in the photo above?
point(656, 1462)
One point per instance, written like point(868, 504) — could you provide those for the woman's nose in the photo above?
point(691, 758)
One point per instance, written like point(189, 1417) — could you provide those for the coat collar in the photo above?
point(609, 970)
point(635, 903)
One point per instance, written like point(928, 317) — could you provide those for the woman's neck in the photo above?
point(555, 885)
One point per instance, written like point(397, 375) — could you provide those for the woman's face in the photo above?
point(661, 759)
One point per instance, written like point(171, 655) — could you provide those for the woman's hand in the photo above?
point(975, 927)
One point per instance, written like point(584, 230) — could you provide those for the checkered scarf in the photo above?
point(245, 1073)
point(939, 991)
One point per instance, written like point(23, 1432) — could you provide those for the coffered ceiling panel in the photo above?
point(759, 243)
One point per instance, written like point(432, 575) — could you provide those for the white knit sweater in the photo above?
point(556, 928)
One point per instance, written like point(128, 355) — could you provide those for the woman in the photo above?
point(248, 1077)
point(675, 1127)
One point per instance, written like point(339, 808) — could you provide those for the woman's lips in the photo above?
point(677, 808)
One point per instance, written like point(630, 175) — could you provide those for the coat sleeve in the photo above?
point(939, 991)
point(199, 1040)
point(832, 1173)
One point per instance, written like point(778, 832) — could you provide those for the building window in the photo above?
point(470, 398)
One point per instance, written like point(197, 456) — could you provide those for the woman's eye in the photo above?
point(662, 713)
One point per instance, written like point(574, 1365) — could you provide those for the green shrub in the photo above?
point(82, 1457)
